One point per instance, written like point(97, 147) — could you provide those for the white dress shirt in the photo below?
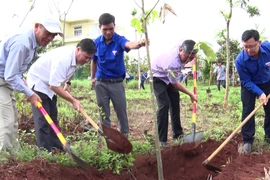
point(52, 69)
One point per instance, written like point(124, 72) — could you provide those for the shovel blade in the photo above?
point(116, 141)
point(80, 162)
point(193, 137)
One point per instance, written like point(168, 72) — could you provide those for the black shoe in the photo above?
point(178, 136)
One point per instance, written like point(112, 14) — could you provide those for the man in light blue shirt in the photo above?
point(16, 53)
point(166, 69)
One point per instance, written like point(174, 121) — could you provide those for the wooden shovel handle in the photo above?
point(89, 119)
point(233, 133)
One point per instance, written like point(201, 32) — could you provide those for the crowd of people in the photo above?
point(49, 77)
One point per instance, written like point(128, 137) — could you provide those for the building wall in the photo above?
point(89, 27)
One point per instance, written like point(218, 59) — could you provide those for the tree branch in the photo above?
point(152, 9)
point(31, 8)
point(137, 4)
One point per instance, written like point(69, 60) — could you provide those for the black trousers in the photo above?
point(167, 99)
point(142, 84)
point(45, 135)
point(221, 82)
point(248, 102)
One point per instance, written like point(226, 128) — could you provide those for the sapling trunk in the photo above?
point(158, 153)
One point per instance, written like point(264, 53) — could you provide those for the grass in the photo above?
point(215, 121)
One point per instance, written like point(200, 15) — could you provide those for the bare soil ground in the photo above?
point(177, 164)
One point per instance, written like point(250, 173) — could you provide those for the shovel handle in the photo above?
point(233, 133)
point(194, 90)
point(89, 119)
point(52, 124)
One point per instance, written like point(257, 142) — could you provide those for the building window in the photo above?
point(77, 31)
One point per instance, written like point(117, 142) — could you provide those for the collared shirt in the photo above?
point(167, 66)
point(221, 72)
point(52, 68)
point(16, 52)
point(252, 71)
point(110, 57)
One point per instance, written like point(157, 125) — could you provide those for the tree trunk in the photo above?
point(233, 73)
point(139, 61)
point(225, 104)
point(158, 153)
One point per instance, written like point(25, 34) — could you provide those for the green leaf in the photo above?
point(136, 24)
point(207, 49)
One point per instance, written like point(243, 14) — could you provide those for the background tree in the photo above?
point(62, 15)
point(31, 8)
point(252, 11)
point(137, 24)
point(234, 47)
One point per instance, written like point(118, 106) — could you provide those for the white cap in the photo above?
point(52, 24)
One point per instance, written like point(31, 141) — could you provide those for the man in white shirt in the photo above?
point(45, 78)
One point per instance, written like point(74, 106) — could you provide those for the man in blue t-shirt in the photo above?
point(108, 71)
point(253, 67)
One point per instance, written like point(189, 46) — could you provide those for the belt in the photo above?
point(118, 80)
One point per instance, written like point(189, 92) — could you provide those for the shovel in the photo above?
point(115, 140)
point(194, 137)
point(214, 168)
point(66, 146)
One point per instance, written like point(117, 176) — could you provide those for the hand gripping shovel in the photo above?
point(214, 168)
point(66, 146)
point(115, 140)
point(194, 137)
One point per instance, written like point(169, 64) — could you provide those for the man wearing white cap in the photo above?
point(16, 53)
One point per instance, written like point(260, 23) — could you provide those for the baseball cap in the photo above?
point(188, 46)
point(51, 23)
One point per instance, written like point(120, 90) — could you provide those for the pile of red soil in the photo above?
point(177, 164)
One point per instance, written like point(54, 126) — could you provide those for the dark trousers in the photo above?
point(115, 92)
point(45, 135)
point(248, 101)
point(142, 84)
point(167, 99)
point(221, 82)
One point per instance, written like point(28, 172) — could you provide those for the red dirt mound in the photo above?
point(176, 165)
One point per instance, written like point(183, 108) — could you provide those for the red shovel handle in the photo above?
point(194, 90)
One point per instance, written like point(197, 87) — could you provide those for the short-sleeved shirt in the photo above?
point(252, 71)
point(221, 72)
point(16, 52)
point(167, 66)
point(52, 68)
point(110, 57)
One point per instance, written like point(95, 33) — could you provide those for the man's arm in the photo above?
point(135, 44)
point(65, 95)
point(93, 70)
point(181, 88)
